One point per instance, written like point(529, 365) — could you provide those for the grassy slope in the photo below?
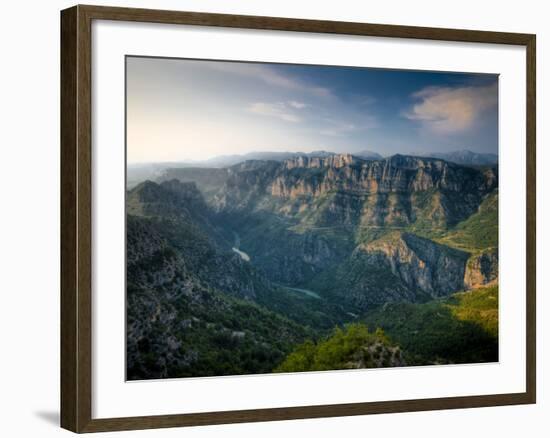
point(477, 233)
point(459, 329)
point(479, 306)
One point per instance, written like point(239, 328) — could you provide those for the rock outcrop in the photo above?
point(420, 263)
point(377, 355)
point(481, 269)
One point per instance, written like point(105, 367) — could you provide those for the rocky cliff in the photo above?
point(345, 189)
point(481, 269)
point(420, 263)
point(394, 174)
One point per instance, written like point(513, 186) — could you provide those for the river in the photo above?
point(307, 292)
point(236, 249)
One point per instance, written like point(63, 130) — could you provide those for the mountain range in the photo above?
point(465, 157)
point(233, 267)
point(143, 171)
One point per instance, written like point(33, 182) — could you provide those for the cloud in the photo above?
point(270, 76)
point(298, 105)
point(364, 99)
point(447, 110)
point(279, 110)
point(338, 128)
point(343, 123)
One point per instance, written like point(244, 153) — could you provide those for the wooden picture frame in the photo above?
point(76, 217)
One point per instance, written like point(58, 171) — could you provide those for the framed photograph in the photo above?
point(269, 218)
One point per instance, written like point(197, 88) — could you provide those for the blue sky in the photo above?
point(194, 110)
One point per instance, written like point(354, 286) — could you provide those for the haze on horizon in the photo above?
point(192, 110)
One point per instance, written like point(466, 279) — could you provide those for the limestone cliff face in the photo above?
point(336, 161)
point(420, 263)
point(481, 269)
point(345, 189)
point(395, 174)
point(394, 268)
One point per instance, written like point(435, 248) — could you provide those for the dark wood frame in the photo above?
point(76, 237)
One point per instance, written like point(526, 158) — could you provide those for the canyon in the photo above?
point(355, 232)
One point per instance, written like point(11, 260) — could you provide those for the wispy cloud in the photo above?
point(337, 128)
point(346, 123)
point(298, 105)
point(363, 99)
point(279, 110)
point(447, 110)
point(271, 76)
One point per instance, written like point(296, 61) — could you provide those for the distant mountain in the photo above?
point(208, 179)
point(137, 173)
point(368, 155)
point(231, 160)
point(464, 157)
point(211, 174)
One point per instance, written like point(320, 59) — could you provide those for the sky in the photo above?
point(192, 110)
